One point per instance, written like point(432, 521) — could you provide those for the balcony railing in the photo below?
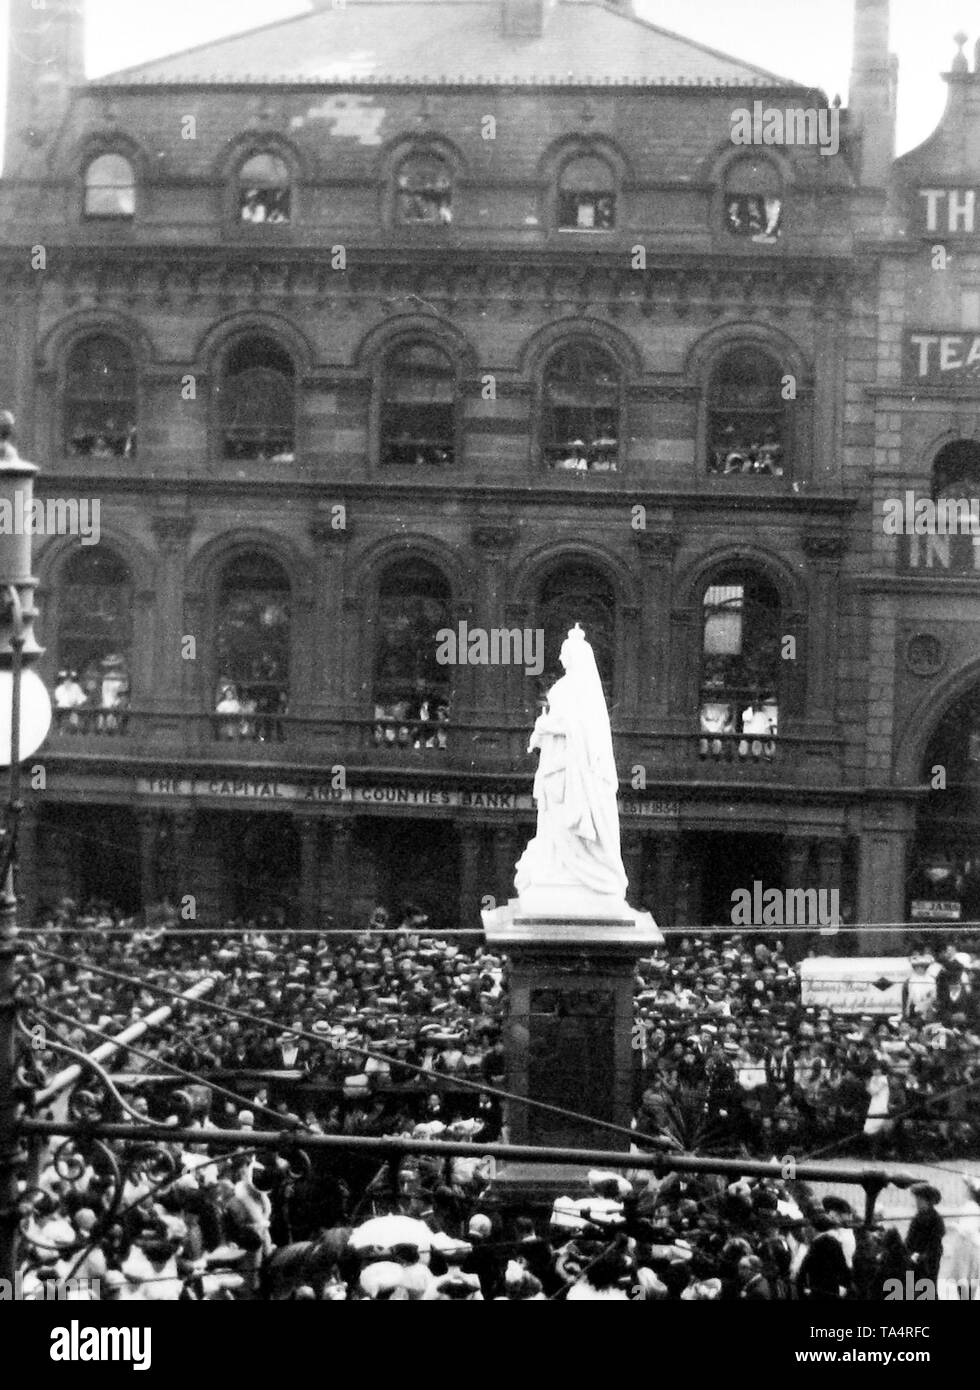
point(286, 739)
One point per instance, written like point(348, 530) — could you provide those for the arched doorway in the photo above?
point(263, 857)
point(944, 870)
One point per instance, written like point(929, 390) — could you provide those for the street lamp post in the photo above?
point(18, 649)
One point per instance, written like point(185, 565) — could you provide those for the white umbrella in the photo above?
point(385, 1232)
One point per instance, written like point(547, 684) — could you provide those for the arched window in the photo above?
point(253, 632)
point(424, 190)
point(110, 187)
point(581, 418)
point(265, 189)
point(257, 402)
point(956, 470)
point(100, 399)
point(753, 200)
point(418, 406)
point(577, 592)
point(95, 642)
point(740, 666)
point(412, 688)
point(748, 419)
point(587, 195)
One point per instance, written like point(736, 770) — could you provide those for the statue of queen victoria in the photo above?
point(574, 863)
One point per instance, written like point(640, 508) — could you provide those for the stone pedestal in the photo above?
point(569, 1032)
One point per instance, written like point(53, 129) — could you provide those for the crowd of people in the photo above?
point(392, 1031)
point(725, 1039)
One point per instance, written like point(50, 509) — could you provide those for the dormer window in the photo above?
point(587, 196)
point(110, 188)
point(753, 201)
point(265, 190)
point(424, 189)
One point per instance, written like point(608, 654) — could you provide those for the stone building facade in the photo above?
point(355, 344)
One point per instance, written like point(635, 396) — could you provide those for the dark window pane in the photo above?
point(418, 413)
point(100, 399)
point(582, 409)
point(95, 639)
point(257, 402)
point(424, 190)
point(741, 662)
point(253, 639)
point(412, 689)
point(577, 593)
point(747, 416)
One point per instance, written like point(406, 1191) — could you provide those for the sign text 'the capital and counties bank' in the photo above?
point(379, 797)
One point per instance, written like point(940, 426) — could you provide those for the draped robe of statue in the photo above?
point(574, 860)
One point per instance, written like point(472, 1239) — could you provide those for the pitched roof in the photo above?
point(443, 42)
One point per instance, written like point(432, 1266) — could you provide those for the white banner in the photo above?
point(857, 985)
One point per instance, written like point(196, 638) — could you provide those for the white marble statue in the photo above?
point(574, 862)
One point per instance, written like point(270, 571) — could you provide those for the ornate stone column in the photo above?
point(470, 837)
point(340, 866)
point(185, 845)
point(506, 850)
point(657, 546)
point(166, 693)
point(492, 542)
point(328, 630)
point(148, 823)
point(824, 550)
point(665, 877)
point(308, 829)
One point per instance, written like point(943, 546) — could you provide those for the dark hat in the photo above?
point(927, 1192)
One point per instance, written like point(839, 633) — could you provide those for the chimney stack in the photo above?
point(526, 19)
point(45, 59)
point(874, 81)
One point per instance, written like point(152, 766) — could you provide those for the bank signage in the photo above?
point(381, 797)
point(934, 357)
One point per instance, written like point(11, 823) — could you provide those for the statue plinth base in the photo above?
point(569, 1033)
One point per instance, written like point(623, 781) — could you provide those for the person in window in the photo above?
point(769, 455)
point(229, 705)
point(253, 208)
point(69, 698)
point(575, 460)
point(716, 719)
point(114, 693)
point(92, 687)
point(758, 720)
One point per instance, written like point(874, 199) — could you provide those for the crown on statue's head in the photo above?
point(577, 633)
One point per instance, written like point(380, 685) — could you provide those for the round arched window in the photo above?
point(747, 416)
point(110, 187)
point(253, 639)
point(582, 407)
point(265, 189)
point(256, 398)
